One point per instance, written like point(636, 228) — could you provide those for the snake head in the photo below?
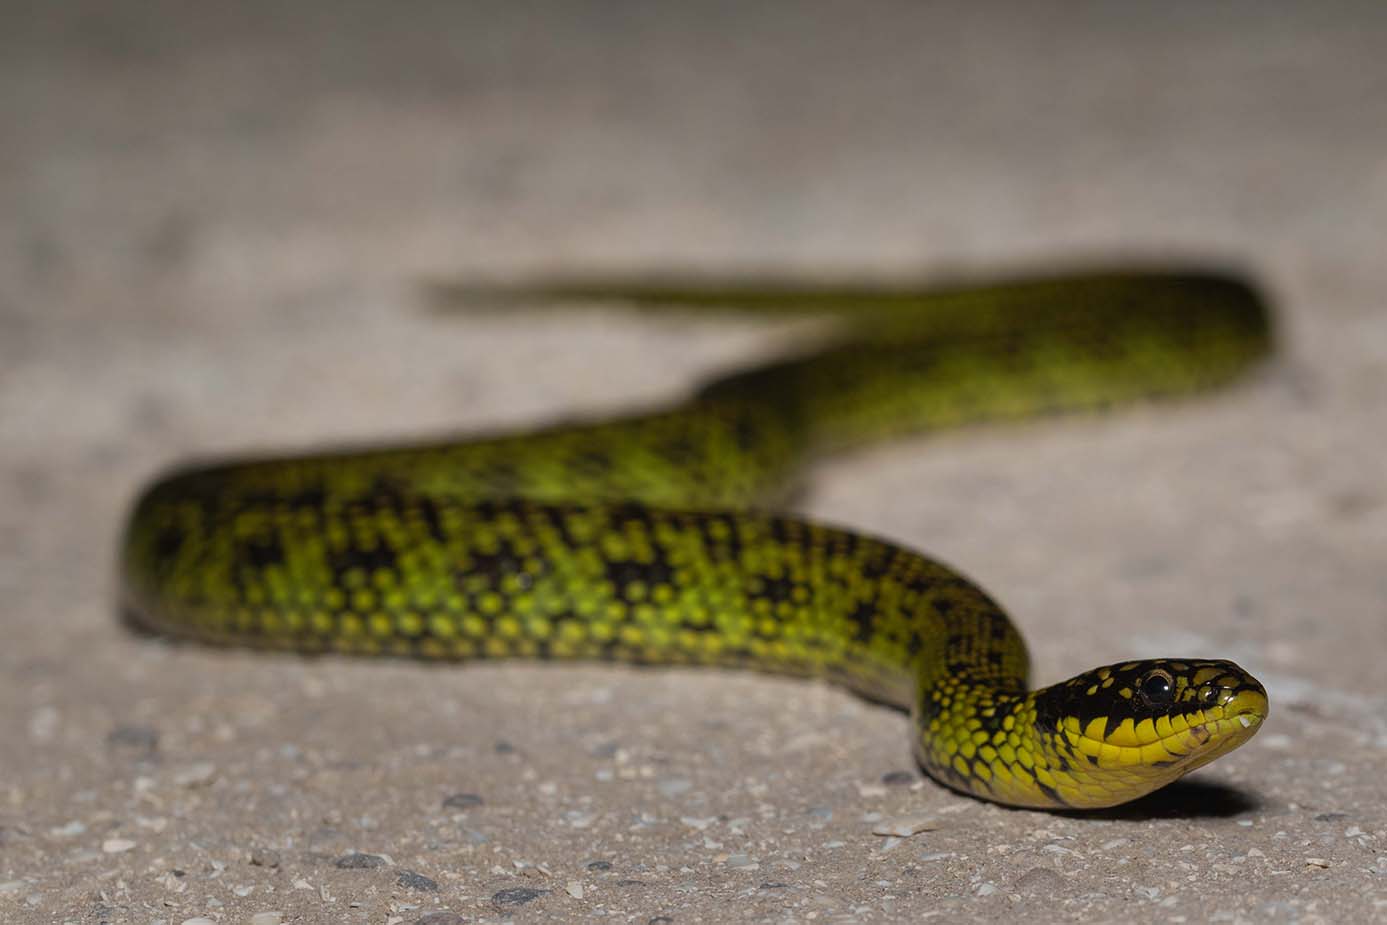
point(1121, 731)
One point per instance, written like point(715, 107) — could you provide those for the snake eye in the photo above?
point(1157, 686)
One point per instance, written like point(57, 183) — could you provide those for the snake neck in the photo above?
point(978, 734)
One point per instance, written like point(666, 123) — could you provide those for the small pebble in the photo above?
point(195, 775)
point(200, 920)
point(267, 918)
point(515, 896)
point(116, 845)
point(574, 888)
point(440, 918)
point(1316, 862)
point(674, 786)
point(461, 801)
point(264, 857)
point(898, 778)
point(358, 861)
point(139, 739)
point(413, 881)
point(906, 826)
point(599, 865)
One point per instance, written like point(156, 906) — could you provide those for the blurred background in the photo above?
point(218, 225)
point(297, 147)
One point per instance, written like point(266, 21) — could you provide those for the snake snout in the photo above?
point(1249, 706)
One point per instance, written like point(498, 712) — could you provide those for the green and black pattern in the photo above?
point(650, 538)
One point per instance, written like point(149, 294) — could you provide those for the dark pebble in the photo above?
point(461, 801)
point(417, 881)
point(504, 748)
point(515, 896)
point(776, 885)
point(1331, 817)
point(605, 750)
point(358, 861)
point(898, 778)
point(630, 883)
point(661, 920)
point(142, 739)
point(599, 865)
point(264, 857)
point(440, 918)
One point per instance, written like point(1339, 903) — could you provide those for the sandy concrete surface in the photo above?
point(215, 225)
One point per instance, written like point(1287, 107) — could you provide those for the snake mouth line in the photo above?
point(1203, 742)
point(1192, 739)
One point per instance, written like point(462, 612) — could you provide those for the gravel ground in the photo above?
point(216, 228)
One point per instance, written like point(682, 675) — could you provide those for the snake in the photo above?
point(664, 535)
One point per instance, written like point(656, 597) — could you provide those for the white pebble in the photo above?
point(116, 845)
point(906, 826)
point(195, 774)
point(574, 889)
point(267, 918)
point(43, 723)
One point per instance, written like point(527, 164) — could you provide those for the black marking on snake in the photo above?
point(168, 541)
point(433, 522)
point(494, 565)
point(259, 552)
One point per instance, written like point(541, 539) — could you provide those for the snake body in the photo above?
point(649, 538)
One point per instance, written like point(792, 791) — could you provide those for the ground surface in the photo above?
point(214, 224)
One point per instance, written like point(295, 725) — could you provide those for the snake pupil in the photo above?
point(1156, 687)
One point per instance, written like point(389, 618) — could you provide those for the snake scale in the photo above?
point(653, 538)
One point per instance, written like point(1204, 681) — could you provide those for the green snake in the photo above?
point(652, 537)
